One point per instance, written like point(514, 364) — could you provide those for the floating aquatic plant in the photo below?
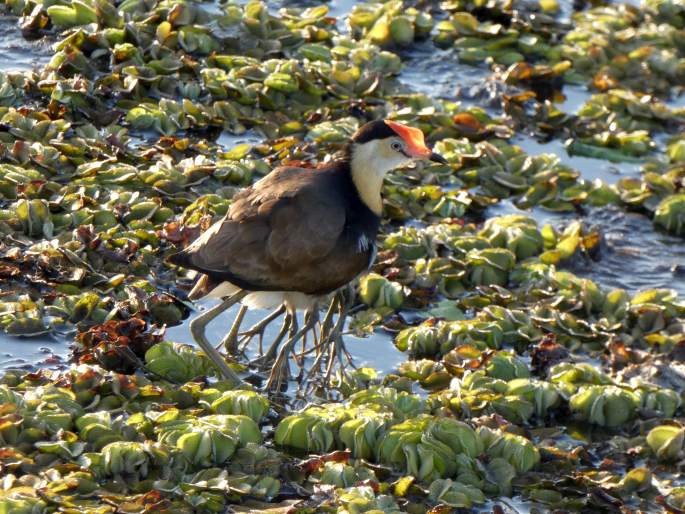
point(111, 160)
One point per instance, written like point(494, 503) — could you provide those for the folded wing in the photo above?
point(278, 235)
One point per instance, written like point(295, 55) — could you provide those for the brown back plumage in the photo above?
point(294, 230)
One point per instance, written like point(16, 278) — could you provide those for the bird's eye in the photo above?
point(397, 146)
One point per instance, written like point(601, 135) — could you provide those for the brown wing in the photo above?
point(278, 235)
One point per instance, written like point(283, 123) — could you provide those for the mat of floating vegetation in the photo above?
point(540, 309)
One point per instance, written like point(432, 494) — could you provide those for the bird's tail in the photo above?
point(202, 285)
point(178, 258)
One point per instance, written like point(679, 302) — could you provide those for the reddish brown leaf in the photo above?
point(115, 345)
point(315, 463)
point(467, 122)
point(546, 354)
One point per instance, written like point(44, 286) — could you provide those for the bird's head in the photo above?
point(380, 146)
point(387, 145)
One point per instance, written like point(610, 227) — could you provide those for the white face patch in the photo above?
point(377, 157)
point(370, 162)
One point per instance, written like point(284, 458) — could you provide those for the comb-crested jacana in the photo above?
point(298, 235)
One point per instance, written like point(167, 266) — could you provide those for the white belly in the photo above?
point(267, 299)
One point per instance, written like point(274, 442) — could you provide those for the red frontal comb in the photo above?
point(412, 136)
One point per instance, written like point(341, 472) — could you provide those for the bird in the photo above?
point(297, 236)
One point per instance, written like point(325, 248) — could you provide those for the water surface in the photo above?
point(633, 254)
point(377, 351)
point(16, 53)
point(42, 352)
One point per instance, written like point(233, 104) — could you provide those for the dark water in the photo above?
point(18, 54)
point(42, 352)
point(227, 140)
point(634, 255)
point(439, 74)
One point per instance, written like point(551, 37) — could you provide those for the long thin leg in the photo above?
point(349, 303)
point(281, 369)
point(230, 342)
point(197, 329)
point(335, 342)
point(325, 333)
point(328, 318)
point(258, 329)
point(294, 325)
point(337, 351)
point(333, 345)
point(304, 345)
point(270, 354)
point(307, 322)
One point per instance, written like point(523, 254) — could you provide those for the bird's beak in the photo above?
point(416, 147)
point(427, 154)
point(436, 157)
